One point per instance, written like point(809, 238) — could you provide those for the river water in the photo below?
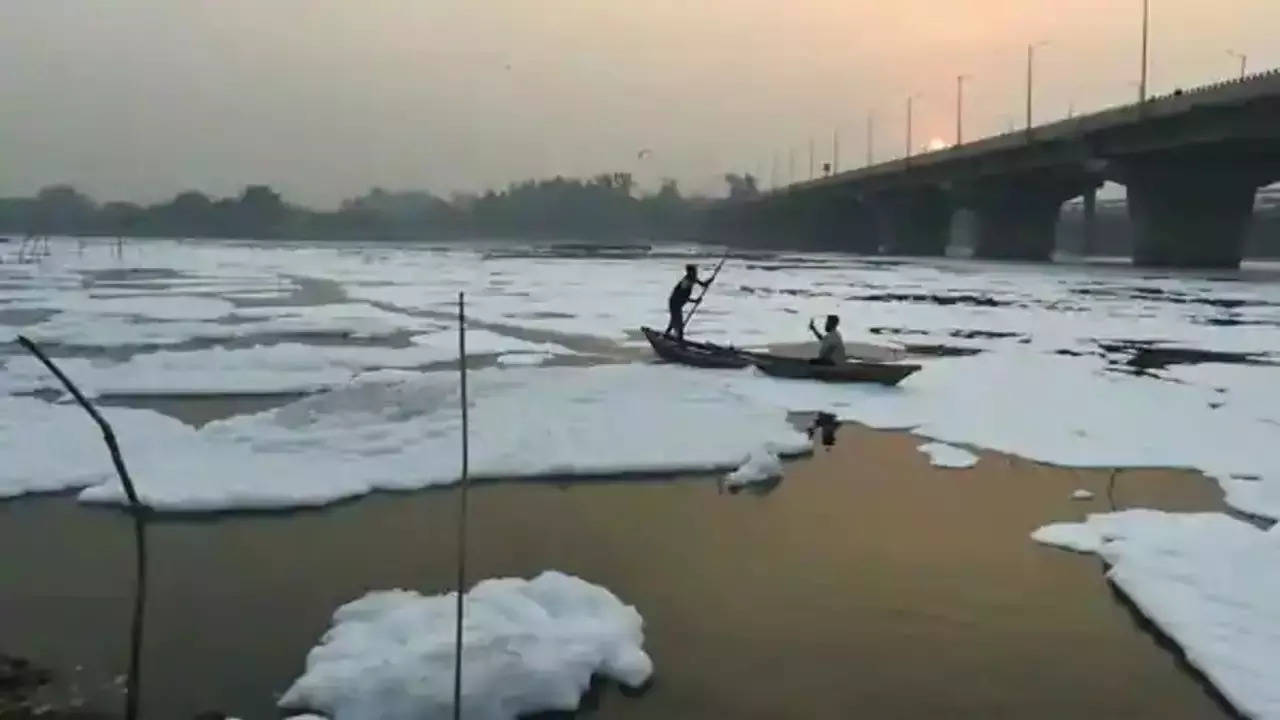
point(866, 583)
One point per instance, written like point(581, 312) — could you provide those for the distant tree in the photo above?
point(259, 212)
point(121, 218)
point(60, 209)
point(741, 186)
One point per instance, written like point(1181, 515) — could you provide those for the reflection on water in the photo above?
point(866, 584)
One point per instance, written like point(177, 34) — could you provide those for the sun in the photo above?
point(937, 144)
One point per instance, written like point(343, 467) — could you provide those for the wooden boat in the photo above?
point(697, 354)
point(710, 355)
point(872, 372)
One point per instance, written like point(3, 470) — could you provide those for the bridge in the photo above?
point(1191, 162)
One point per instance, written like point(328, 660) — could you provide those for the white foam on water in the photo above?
point(760, 466)
point(525, 359)
point(1081, 494)
point(48, 448)
point(399, 431)
point(1208, 581)
point(264, 369)
point(948, 456)
point(529, 646)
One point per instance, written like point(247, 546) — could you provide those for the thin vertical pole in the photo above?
point(791, 165)
point(462, 511)
point(910, 102)
point(871, 138)
point(1031, 53)
point(959, 109)
point(810, 158)
point(1146, 33)
point(835, 152)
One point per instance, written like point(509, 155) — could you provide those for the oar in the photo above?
point(698, 303)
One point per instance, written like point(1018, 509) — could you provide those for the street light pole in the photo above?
point(835, 151)
point(1031, 59)
point(960, 108)
point(1244, 61)
point(1146, 34)
point(1031, 53)
point(910, 102)
point(871, 138)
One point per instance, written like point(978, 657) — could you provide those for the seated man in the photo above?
point(830, 345)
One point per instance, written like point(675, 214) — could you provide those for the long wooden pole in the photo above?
point(698, 303)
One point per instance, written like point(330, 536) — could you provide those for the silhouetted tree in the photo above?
point(741, 186)
point(60, 209)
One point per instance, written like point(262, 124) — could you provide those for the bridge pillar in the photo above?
point(913, 222)
point(1190, 214)
point(1018, 215)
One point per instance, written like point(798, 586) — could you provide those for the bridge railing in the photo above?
point(1266, 82)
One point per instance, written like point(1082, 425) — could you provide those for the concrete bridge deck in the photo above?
point(1191, 161)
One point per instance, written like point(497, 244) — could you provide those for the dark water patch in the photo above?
point(880, 330)
point(570, 251)
point(200, 410)
point(985, 334)
point(20, 317)
point(1149, 355)
point(775, 267)
point(790, 292)
point(130, 274)
point(541, 315)
point(934, 299)
point(940, 350)
point(1173, 297)
point(1067, 352)
point(1233, 321)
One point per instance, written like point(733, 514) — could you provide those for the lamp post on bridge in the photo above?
point(871, 137)
point(835, 151)
point(1146, 35)
point(1244, 61)
point(960, 108)
point(1031, 60)
point(911, 99)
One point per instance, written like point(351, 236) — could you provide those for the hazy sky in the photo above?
point(138, 99)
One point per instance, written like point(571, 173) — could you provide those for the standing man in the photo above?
point(680, 295)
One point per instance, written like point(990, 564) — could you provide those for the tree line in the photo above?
point(604, 207)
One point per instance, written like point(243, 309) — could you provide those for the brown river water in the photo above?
point(865, 584)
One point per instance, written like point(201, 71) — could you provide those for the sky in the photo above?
point(323, 99)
